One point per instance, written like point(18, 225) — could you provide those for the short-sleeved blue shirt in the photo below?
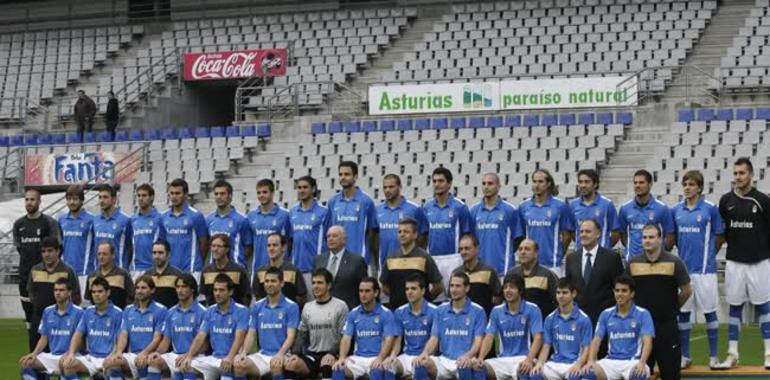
point(496, 229)
point(388, 219)
point(59, 327)
point(544, 224)
point(446, 225)
point(272, 323)
point(602, 210)
point(236, 227)
point(633, 217)
point(567, 335)
point(263, 224)
point(221, 327)
point(515, 329)
point(457, 330)
point(141, 325)
point(147, 229)
point(182, 233)
point(117, 229)
point(696, 233)
point(100, 330)
point(369, 329)
point(356, 215)
point(181, 326)
point(415, 328)
point(77, 242)
point(625, 333)
point(308, 229)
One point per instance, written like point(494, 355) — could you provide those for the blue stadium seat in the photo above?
point(217, 132)
point(420, 124)
point(121, 135)
point(705, 114)
point(725, 114)
point(586, 118)
point(685, 115)
point(44, 139)
point(168, 133)
point(202, 133)
point(387, 125)
point(59, 139)
point(440, 123)
point(513, 121)
point(625, 118)
point(73, 138)
point(404, 124)
point(762, 113)
point(476, 122)
point(567, 119)
point(153, 134)
point(369, 126)
point(185, 133)
point(318, 128)
point(549, 120)
point(89, 137)
point(17, 140)
point(352, 126)
point(104, 137)
point(604, 118)
point(495, 121)
point(457, 122)
point(744, 114)
point(264, 131)
point(248, 130)
point(334, 127)
point(233, 131)
point(4, 140)
point(30, 139)
point(531, 121)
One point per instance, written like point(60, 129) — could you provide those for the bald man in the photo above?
point(539, 281)
point(347, 268)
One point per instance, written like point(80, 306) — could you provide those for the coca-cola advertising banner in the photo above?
point(235, 64)
point(70, 169)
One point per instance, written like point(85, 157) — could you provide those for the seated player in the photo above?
point(275, 318)
point(518, 325)
point(100, 326)
point(373, 328)
point(57, 326)
point(458, 329)
point(568, 331)
point(224, 328)
point(320, 331)
point(626, 326)
point(140, 332)
point(179, 330)
point(414, 320)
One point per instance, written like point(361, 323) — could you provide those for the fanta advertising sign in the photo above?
point(68, 169)
point(235, 64)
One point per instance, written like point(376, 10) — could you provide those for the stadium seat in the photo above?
point(44, 139)
point(476, 122)
point(168, 133)
point(513, 121)
point(318, 128)
point(103, 137)
point(531, 120)
point(334, 127)
point(724, 114)
point(744, 114)
point(121, 135)
point(387, 125)
point(439, 123)
point(625, 118)
point(352, 126)
point(705, 114)
point(549, 120)
point(586, 118)
point(4, 141)
point(457, 122)
point(404, 124)
point(762, 113)
point(369, 126)
point(89, 137)
point(604, 118)
point(153, 134)
point(421, 124)
point(685, 115)
point(264, 131)
point(217, 132)
point(30, 139)
point(567, 119)
point(202, 133)
point(233, 131)
point(59, 139)
point(185, 133)
point(74, 138)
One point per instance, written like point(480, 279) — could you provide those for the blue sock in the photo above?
point(764, 319)
point(465, 374)
point(389, 375)
point(736, 320)
point(153, 373)
point(579, 377)
point(72, 377)
point(635, 376)
point(684, 333)
point(189, 376)
point(115, 374)
point(420, 373)
point(28, 374)
point(480, 374)
point(375, 374)
point(338, 374)
point(142, 372)
point(712, 331)
point(230, 376)
point(278, 376)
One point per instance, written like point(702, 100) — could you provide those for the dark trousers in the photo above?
point(85, 125)
point(666, 351)
point(28, 314)
point(112, 125)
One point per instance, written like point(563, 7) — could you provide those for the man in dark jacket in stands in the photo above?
point(85, 109)
point(113, 114)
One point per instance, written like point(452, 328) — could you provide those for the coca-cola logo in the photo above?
point(237, 64)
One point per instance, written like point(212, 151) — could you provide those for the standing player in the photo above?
point(186, 230)
point(224, 328)
point(373, 328)
point(309, 223)
point(56, 329)
point(147, 226)
point(415, 321)
point(393, 209)
point(629, 331)
point(77, 231)
point(99, 326)
point(140, 332)
point(519, 327)
point(548, 221)
point(593, 205)
point(496, 224)
point(228, 221)
point(264, 220)
point(220, 252)
point(699, 236)
point(28, 232)
point(164, 274)
point(273, 320)
point(458, 329)
point(568, 331)
point(114, 225)
point(354, 210)
point(179, 329)
point(642, 210)
point(448, 217)
point(746, 213)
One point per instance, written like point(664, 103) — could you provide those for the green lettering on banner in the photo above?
point(598, 97)
point(531, 99)
point(414, 103)
point(384, 102)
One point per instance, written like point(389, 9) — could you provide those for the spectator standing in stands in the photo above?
point(85, 110)
point(593, 205)
point(448, 217)
point(147, 227)
point(264, 220)
point(164, 274)
point(347, 268)
point(121, 285)
point(186, 231)
point(77, 231)
point(114, 225)
point(220, 253)
point(293, 282)
point(112, 116)
point(394, 208)
point(354, 210)
point(228, 221)
point(548, 221)
point(28, 232)
point(540, 282)
point(642, 210)
point(496, 224)
point(309, 224)
point(485, 284)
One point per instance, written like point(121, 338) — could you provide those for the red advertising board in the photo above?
point(235, 64)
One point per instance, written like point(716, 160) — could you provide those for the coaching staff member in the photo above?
point(663, 286)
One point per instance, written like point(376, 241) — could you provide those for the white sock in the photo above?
point(767, 347)
point(732, 347)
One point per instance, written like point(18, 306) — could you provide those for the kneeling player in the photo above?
point(568, 331)
point(626, 326)
point(373, 328)
point(275, 318)
point(57, 326)
point(519, 326)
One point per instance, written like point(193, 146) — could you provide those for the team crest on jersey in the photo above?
point(69, 322)
point(275, 222)
point(230, 224)
point(467, 321)
point(280, 315)
point(651, 216)
point(109, 322)
point(229, 320)
point(358, 207)
point(376, 319)
point(633, 323)
point(754, 209)
point(698, 217)
point(548, 213)
point(573, 326)
point(400, 215)
point(152, 223)
point(451, 214)
point(500, 216)
point(523, 319)
point(151, 318)
point(184, 222)
point(114, 226)
point(425, 321)
point(82, 224)
point(192, 319)
point(598, 213)
point(38, 232)
point(312, 217)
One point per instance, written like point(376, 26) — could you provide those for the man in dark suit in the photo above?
point(348, 268)
point(592, 271)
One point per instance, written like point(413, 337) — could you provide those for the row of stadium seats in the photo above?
point(708, 114)
point(745, 66)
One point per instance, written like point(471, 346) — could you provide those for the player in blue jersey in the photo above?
point(114, 225)
point(415, 321)
point(264, 220)
point(373, 329)
point(456, 335)
point(593, 205)
point(273, 320)
point(57, 326)
point(309, 224)
point(140, 333)
point(568, 331)
point(448, 217)
point(518, 325)
point(629, 331)
point(77, 231)
point(642, 210)
point(228, 221)
point(179, 331)
point(393, 209)
point(186, 230)
point(548, 221)
point(699, 236)
point(147, 227)
point(224, 328)
point(99, 326)
point(354, 210)
point(496, 224)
